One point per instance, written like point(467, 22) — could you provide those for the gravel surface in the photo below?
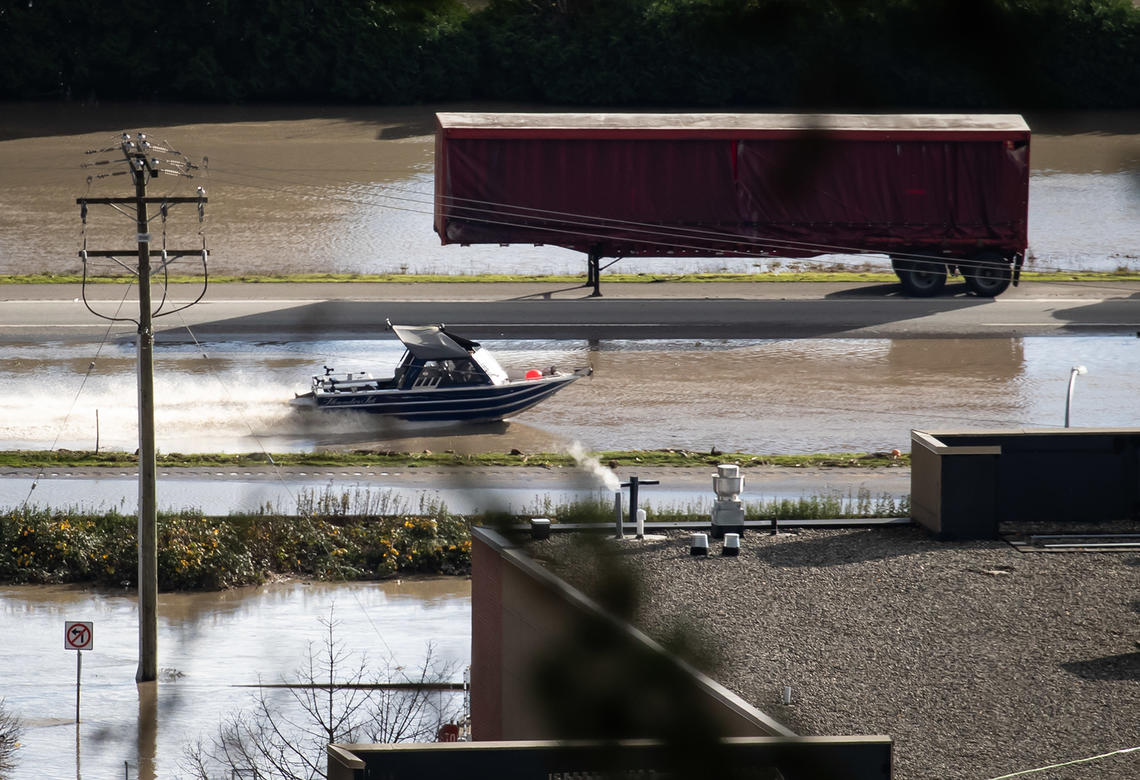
point(978, 660)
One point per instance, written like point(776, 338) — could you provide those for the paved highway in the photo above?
point(299, 312)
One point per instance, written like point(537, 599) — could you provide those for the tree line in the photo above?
point(967, 54)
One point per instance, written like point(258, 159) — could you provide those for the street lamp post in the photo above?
point(1072, 381)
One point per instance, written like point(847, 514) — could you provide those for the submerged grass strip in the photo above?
point(665, 457)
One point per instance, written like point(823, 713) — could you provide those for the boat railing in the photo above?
point(343, 382)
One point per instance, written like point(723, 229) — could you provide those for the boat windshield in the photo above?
point(488, 363)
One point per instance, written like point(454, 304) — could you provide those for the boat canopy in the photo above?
point(431, 342)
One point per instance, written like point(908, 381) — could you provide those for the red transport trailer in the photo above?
point(938, 193)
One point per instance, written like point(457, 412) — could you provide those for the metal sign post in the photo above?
point(633, 485)
point(78, 636)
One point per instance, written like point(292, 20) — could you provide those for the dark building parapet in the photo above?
point(964, 484)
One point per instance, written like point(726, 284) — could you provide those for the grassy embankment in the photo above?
point(347, 536)
point(641, 458)
point(880, 277)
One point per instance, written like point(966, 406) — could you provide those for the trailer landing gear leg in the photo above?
point(594, 273)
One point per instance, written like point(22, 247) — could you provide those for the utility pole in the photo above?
point(143, 164)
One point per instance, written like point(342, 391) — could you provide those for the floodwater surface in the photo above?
point(296, 190)
point(766, 396)
point(208, 645)
point(350, 190)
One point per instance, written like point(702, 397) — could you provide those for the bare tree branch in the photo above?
point(10, 732)
point(331, 699)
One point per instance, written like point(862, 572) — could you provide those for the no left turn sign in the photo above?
point(78, 635)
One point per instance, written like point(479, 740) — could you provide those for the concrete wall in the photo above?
point(801, 758)
point(964, 483)
point(520, 611)
point(953, 489)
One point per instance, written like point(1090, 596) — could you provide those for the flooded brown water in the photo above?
point(770, 396)
point(303, 190)
point(208, 644)
point(350, 190)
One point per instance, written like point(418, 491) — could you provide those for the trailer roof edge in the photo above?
point(721, 123)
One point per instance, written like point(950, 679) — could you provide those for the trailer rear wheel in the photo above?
point(920, 278)
point(987, 275)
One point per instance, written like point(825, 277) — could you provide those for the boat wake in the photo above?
point(193, 413)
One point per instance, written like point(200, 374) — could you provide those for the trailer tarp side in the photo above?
point(735, 184)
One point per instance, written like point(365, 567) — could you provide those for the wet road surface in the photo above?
point(289, 312)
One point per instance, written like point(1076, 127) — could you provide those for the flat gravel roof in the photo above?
point(977, 659)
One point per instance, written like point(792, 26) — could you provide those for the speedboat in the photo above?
point(441, 377)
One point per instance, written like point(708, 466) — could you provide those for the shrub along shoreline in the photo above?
point(199, 552)
point(358, 536)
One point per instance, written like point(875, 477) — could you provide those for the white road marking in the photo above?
point(1059, 300)
point(1062, 324)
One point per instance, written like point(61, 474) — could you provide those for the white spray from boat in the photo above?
point(591, 464)
point(192, 413)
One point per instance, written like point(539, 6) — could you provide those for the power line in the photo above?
point(667, 235)
point(1090, 759)
point(767, 248)
point(75, 400)
point(663, 235)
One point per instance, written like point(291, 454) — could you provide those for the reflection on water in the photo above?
point(756, 396)
point(949, 360)
point(351, 191)
point(1067, 203)
point(208, 643)
point(830, 395)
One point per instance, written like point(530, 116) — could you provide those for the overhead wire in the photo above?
point(666, 236)
point(366, 202)
point(646, 228)
point(1074, 762)
point(650, 230)
point(276, 469)
point(75, 399)
point(163, 213)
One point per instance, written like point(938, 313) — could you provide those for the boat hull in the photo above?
point(469, 403)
